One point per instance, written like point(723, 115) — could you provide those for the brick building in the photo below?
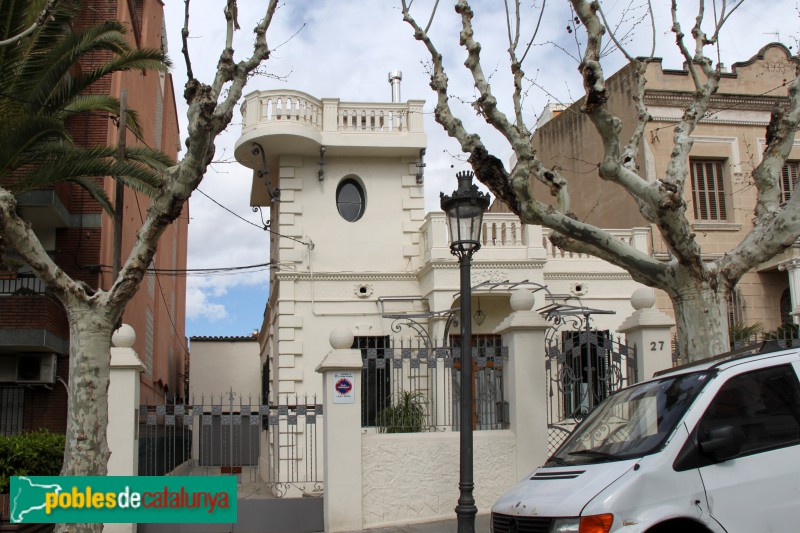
point(34, 334)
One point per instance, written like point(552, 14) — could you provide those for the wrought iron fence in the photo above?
point(237, 435)
point(556, 435)
point(295, 439)
point(583, 368)
point(165, 438)
point(412, 387)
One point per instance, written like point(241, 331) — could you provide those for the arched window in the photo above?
point(350, 200)
point(786, 307)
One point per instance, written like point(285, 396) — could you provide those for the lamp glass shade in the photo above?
point(465, 221)
point(464, 210)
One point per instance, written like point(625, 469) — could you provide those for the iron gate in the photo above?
point(583, 367)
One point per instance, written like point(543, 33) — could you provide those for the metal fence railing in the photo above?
point(407, 389)
point(236, 435)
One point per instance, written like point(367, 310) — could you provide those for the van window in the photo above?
point(762, 406)
point(632, 423)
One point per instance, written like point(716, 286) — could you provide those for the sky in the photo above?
point(345, 49)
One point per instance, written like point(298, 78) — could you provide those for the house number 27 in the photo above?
point(656, 346)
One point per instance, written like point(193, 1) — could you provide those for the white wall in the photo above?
point(413, 477)
point(219, 366)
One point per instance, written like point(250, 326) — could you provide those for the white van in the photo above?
point(712, 447)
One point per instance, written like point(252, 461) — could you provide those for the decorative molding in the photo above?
point(714, 121)
point(532, 264)
point(591, 276)
point(716, 226)
point(493, 275)
point(719, 102)
point(346, 276)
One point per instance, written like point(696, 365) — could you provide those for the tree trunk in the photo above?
point(701, 313)
point(86, 452)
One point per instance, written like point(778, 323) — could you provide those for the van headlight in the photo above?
point(565, 525)
point(600, 523)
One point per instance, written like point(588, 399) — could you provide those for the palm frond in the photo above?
point(96, 191)
point(43, 82)
point(154, 159)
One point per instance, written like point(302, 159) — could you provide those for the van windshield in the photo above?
point(632, 423)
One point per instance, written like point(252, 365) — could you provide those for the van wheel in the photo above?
point(682, 525)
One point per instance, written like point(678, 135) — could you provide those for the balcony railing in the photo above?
point(22, 285)
point(330, 115)
point(505, 237)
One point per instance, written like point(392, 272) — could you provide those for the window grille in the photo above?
point(12, 408)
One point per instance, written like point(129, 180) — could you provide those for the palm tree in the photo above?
point(46, 78)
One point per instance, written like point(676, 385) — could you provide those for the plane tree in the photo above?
point(93, 313)
point(697, 286)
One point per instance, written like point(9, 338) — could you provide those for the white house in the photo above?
point(354, 251)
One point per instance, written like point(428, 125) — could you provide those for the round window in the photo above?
point(350, 200)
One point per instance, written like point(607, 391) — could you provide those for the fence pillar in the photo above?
point(650, 332)
point(341, 393)
point(792, 267)
point(523, 332)
point(123, 407)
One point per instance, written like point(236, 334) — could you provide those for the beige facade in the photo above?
point(728, 143)
point(357, 263)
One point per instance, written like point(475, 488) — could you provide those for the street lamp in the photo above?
point(464, 211)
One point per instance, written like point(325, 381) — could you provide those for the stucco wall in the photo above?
point(414, 477)
point(219, 366)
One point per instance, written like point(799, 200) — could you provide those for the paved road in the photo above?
point(443, 526)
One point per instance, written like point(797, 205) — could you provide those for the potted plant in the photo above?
point(405, 415)
point(9, 268)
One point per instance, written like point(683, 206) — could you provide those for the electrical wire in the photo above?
point(213, 271)
point(181, 338)
point(264, 227)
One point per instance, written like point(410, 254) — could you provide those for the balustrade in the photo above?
point(267, 107)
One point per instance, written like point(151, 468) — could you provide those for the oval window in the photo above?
point(350, 200)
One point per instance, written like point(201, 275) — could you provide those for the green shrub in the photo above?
point(406, 415)
point(38, 453)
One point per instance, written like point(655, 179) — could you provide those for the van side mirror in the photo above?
point(721, 443)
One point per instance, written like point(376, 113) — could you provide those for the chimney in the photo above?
point(394, 79)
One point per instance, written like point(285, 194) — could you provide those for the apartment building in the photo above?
point(34, 333)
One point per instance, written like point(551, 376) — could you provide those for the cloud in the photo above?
point(345, 49)
point(198, 306)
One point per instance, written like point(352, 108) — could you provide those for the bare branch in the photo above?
point(40, 20)
point(20, 235)
point(433, 14)
point(185, 38)
point(687, 56)
point(613, 37)
point(535, 33)
point(723, 18)
point(780, 136)
point(207, 118)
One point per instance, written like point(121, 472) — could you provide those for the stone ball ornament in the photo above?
point(124, 337)
point(341, 338)
point(643, 298)
point(522, 300)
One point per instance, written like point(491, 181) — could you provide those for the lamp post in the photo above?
point(464, 211)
